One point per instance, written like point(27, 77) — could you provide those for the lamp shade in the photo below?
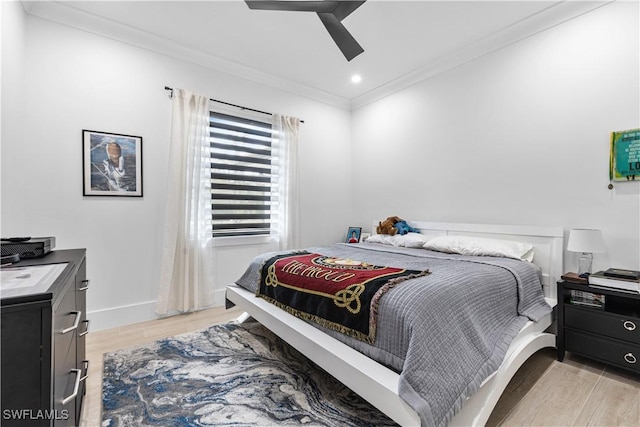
point(586, 240)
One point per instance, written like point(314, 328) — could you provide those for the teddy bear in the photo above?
point(387, 226)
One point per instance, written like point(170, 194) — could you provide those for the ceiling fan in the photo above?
point(331, 13)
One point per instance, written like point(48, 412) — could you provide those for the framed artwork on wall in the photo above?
point(624, 158)
point(111, 164)
point(353, 235)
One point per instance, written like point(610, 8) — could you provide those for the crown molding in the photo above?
point(547, 18)
point(69, 16)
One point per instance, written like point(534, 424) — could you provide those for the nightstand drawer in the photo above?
point(603, 323)
point(614, 352)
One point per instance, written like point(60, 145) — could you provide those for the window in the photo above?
point(243, 176)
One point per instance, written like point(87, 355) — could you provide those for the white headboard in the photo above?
point(548, 243)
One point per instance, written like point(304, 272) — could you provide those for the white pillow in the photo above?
point(409, 240)
point(413, 240)
point(481, 246)
point(384, 239)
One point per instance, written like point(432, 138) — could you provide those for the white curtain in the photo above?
point(186, 279)
point(285, 142)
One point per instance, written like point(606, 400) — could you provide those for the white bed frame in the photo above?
point(379, 384)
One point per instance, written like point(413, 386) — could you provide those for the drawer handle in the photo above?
point(76, 386)
point(85, 366)
point(76, 322)
point(630, 358)
point(85, 286)
point(86, 329)
point(629, 325)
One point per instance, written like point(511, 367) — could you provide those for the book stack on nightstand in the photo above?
point(599, 321)
point(628, 280)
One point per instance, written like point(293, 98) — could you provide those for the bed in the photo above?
point(380, 382)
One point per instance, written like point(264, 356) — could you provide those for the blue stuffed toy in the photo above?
point(404, 228)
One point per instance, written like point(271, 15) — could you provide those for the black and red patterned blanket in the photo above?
point(340, 294)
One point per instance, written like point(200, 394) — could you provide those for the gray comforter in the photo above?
point(447, 331)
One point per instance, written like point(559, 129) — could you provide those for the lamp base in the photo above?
point(584, 263)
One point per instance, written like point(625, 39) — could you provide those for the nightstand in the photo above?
point(610, 334)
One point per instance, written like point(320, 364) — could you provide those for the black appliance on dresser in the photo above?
point(27, 247)
point(44, 367)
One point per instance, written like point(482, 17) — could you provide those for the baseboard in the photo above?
point(114, 317)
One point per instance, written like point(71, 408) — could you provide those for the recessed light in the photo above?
point(356, 78)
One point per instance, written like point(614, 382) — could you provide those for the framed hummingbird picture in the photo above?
point(112, 164)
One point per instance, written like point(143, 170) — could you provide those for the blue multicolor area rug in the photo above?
point(227, 375)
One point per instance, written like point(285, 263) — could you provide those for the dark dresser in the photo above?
point(43, 342)
point(610, 333)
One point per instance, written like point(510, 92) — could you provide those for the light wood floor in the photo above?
point(544, 392)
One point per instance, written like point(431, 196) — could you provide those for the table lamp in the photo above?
point(585, 241)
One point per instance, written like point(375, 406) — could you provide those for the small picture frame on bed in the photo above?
point(353, 235)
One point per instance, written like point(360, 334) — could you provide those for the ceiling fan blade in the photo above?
point(348, 45)
point(344, 8)
point(330, 13)
point(295, 6)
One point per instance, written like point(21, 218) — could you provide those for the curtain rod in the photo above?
point(228, 103)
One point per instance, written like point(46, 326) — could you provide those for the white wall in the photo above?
point(12, 91)
point(519, 136)
point(74, 80)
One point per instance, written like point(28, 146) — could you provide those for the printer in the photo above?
point(27, 247)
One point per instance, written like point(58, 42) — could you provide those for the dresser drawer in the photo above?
point(603, 323)
point(610, 351)
point(65, 378)
point(66, 320)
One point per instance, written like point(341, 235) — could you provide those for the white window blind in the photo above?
point(243, 177)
